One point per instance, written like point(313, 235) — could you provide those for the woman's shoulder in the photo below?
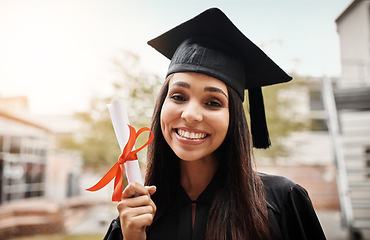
point(276, 183)
point(279, 190)
point(290, 209)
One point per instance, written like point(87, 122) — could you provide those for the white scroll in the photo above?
point(120, 123)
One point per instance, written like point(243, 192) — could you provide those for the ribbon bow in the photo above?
point(117, 170)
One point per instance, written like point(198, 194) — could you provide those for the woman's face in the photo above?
point(195, 115)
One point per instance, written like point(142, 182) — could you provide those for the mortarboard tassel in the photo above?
point(260, 134)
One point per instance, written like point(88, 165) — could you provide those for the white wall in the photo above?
point(353, 29)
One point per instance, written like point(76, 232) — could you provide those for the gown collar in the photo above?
point(206, 197)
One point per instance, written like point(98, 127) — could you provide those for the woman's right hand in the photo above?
point(136, 212)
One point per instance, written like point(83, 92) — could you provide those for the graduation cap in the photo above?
point(211, 44)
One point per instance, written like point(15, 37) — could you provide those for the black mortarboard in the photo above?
point(211, 44)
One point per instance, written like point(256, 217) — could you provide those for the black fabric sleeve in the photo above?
point(298, 219)
point(114, 231)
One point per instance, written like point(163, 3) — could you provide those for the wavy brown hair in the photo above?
point(239, 209)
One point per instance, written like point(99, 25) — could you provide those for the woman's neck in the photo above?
point(196, 175)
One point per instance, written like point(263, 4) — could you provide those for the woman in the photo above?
point(200, 161)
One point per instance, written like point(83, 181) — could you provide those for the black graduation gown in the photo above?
point(289, 207)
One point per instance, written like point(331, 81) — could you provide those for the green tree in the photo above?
point(96, 141)
point(282, 115)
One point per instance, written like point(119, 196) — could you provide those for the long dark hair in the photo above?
point(239, 210)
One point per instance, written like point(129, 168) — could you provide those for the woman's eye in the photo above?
point(178, 97)
point(214, 104)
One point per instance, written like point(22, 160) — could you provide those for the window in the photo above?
point(22, 168)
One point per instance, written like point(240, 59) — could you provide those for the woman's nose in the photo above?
point(192, 112)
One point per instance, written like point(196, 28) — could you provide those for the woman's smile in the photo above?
point(187, 137)
point(190, 135)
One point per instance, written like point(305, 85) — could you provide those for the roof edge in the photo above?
point(24, 121)
point(348, 9)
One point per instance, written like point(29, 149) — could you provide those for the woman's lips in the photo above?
point(190, 137)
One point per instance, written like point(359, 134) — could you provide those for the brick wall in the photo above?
point(26, 218)
point(319, 181)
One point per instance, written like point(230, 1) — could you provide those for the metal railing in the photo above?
point(342, 178)
point(348, 120)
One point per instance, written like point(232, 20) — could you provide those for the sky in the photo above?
point(59, 52)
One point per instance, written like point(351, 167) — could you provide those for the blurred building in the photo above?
point(31, 166)
point(23, 158)
point(36, 179)
point(14, 104)
point(347, 104)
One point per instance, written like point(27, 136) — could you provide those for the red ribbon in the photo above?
point(117, 170)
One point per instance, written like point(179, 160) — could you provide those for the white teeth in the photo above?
point(191, 135)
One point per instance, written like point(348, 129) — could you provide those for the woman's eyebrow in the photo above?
point(181, 84)
point(215, 89)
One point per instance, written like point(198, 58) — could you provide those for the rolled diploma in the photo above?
point(120, 123)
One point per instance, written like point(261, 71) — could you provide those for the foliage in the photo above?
point(97, 143)
point(283, 115)
point(139, 89)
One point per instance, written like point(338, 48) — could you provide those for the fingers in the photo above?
point(137, 217)
point(151, 189)
point(136, 195)
point(136, 210)
point(134, 189)
point(139, 205)
point(132, 223)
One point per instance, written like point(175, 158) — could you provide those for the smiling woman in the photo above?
point(200, 181)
